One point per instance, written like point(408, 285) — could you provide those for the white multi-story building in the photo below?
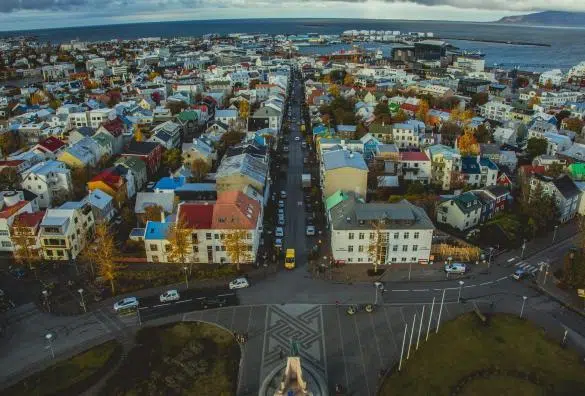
point(415, 166)
point(93, 118)
point(404, 230)
point(12, 203)
point(470, 63)
point(565, 193)
point(556, 77)
point(495, 111)
point(66, 231)
point(50, 181)
point(445, 164)
point(407, 134)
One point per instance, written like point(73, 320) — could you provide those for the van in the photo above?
point(455, 268)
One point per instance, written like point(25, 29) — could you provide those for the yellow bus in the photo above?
point(289, 261)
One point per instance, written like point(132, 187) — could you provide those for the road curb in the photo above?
point(559, 300)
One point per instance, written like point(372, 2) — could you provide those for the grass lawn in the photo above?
point(509, 356)
point(67, 375)
point(179, 359)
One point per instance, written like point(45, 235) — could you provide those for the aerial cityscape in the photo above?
point(313, 202)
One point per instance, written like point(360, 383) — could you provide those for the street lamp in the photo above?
point(490, 257)
point(80, 291)
point(523, 247)
point(46, 297)
point(186, 278)
point(49, 338)
point(523, 302)
point(555, 233)
point(460, 287)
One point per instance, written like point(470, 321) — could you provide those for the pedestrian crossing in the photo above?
point(530, 268)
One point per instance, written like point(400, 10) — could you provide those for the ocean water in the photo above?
point(567, 45)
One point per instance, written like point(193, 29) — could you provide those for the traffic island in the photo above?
point(179, 359)
point(470, 357)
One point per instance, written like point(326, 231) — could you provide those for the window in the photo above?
point(153, 248)
point(223, 248)
point(405, 248)
point(360, 248)
point(6, 244)
point(208, 236)
point(413, 259)
point(394, 248)
point(415, 248)
point(349, 260)
point(167, 247)
point(444, 219)
point(60, 253)
point(393, 259)
point(350, 235)
point(155, 259)
point(216, 236)
point(3, 232)
point(396, 235)
point(350, 248)
point(49, 252)
point(195, 249)
point(416, 235)
point(403, 259)
point(217, 248)
point(406, 235)
point(360, 260)
point(372, 235)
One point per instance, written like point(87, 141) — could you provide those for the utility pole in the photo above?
point(403, 342)
point(422, 316)
point(555, 233)
point(460, 288)
point(522, 309)
point(523, 247)
point(411, 334)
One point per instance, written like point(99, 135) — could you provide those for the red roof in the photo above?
point(201, 107)
point(413, 156)
point(409, 107)
point(108, 176)
point(115, 126)
point(235, 210)
point(30, 219)
point(9, 211)
point(196, 215)
point(531, 169)
point(14, 163)
point(52, 144)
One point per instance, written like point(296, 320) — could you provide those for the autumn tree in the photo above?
point(199, 169)
point(138, 135)
point(461, 116)
point(79, 178)
point(179, 247)
point(450, 131)
point(238, 247)
point(422, 113)
point(348, 80)
point(244, 109)
point(9, 179)
point(105, 252)
point(377, 244)
point(400, 116)
point(548, 85)
point(172, 158)
point(535, 100)
point(467, 143)
point(25, 251)
point(539, 210)
point(8, 143)
point(153, 213)
point(483, 134)
point(334, 90)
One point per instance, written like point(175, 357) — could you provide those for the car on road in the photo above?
point(278, 243)
point(310, 230)
point(281, 220)
point(297, 138)
point(283, 194)
point(280, 203)
point(126, 303)
point(170, 295)
point(455, 268)
point(213, 302)
point(17, 272)
point(519, 274)
point(239, 283)
point(279, 232)
point(281, 211)
point(285, 148)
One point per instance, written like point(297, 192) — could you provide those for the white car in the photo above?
point(239, 283)
point(281, 220)
point(170, 295)
point(283, 194)
point(280, 203)
point(279, 232)
point(310, 230)
point(456, 268)
point(297, 138)
point(128, 302)
point(280, 211)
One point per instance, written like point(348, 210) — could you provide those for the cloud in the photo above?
point(8, 6)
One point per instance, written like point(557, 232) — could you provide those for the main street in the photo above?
point(347, 350)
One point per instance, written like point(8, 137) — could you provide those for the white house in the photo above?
point(50, 181)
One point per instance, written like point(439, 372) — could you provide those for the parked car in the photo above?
point(281, 220)
point(455, 268)
point(297, 138)
point(239, 283)
point(281, 211)
point(278, 243)
point(310, 230)
point(17, 272)
point(170, 295)
point(213, 302)
point(280, 203)
point(519, 274)
point(279, 232)
point(126, 303)
point(283, 194)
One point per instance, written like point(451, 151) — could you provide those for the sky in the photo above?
point(40, 14)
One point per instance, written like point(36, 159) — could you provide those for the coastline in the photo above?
point(507, 42)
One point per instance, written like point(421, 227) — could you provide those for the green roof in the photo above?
point(577, 170)
point(188, 115)
point(334, 199)
point(134, 163)
point(103, 139)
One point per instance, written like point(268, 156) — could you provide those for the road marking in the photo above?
point(342, 351)
point(160, 305)
point(183, 301)
point(400, 290)
point(420, 290)
point(376, 339)
point(143, 307)
point(357, 332)
point(225, 295)
point(465, 287)
point(512, 259)
point(391, 331)
point(486, 283)
point(502, 278)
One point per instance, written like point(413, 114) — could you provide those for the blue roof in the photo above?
point(489, 163)
point(137, 232)
point(469, 165)
point(156, 230)
point(170, 183)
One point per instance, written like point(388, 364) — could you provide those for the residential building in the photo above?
point(461, 212)
point(66, 231)
point(102, 206)
point(343, 170)
point(12, 204)
point(137, 167)
point(149, 152)
point(415, 167)
point(50, 181)
point(406, 134)
point(201, 149)
point(445, 165)
point(168, 134)
point(565, 193)
point(238, 171)
point(112, 183)
point(496, 111)
point(406, 231)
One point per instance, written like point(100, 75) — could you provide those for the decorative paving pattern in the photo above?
point(300, 322)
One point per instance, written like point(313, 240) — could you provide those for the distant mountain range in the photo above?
point(555, 18)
